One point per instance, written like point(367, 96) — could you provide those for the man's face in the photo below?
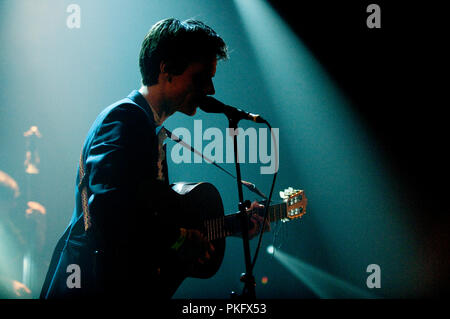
point(194, 83)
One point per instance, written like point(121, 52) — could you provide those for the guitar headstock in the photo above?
point(296, 202)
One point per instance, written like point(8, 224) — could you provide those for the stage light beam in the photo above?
point(354, 197)
point(323, 284)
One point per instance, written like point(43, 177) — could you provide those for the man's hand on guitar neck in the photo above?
point(256, 220)
point(256, 213)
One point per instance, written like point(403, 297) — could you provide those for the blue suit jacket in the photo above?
point(128, 209)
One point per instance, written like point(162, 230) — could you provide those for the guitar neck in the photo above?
point(230, 225)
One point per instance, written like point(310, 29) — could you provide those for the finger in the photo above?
point(259, 205)
point(255, 204)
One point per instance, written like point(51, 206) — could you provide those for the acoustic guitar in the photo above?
point(203, 210)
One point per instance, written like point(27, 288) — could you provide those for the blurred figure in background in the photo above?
point(20, 223)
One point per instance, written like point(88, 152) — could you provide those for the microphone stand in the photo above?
point(247, 278)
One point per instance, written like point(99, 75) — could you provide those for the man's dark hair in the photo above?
point(178, 43)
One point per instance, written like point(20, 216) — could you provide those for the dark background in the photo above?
point(395, 77)
point(392, 74)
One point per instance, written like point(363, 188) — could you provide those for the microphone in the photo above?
point(210, 105)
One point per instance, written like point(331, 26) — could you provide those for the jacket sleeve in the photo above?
point(124, 194)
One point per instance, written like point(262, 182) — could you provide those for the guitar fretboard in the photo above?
point(228, 225)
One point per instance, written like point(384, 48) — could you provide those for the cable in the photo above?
point(268, 200)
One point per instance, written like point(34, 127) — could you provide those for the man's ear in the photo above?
point(164, 69)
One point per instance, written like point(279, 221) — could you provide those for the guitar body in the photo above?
point(200, 201)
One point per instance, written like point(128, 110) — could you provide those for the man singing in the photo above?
point(122, 222)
